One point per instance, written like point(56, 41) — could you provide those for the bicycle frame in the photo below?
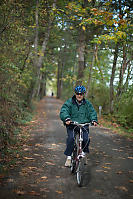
point(77, 163)
point(79, 140)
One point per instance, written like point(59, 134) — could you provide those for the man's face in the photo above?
point(79, 96)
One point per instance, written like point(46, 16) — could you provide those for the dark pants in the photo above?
point(70, 140)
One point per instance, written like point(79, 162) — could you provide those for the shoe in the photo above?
point(68, 162)
point(83, 153)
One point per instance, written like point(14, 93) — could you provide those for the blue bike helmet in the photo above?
point(80, 89)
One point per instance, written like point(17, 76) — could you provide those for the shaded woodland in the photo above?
point(58, 44)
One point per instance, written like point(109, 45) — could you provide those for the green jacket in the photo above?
point(80, 113)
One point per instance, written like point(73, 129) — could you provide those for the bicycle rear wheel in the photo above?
point(80, 172)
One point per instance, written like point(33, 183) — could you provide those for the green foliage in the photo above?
point(101, 23)
point(99, 96)
point(15, 76)
point(124, 106)
point(68, 92)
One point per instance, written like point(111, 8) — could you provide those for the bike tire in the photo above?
point(73, 166)
point(80, 173)
point(73, 161)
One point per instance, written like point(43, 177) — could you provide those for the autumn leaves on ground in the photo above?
point(39, 171)
point(31, 168)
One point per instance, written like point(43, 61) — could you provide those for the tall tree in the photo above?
point(81, 55)
point(112, 78)
point(39, 61)
point(94, 57)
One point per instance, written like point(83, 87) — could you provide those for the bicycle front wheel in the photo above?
point(80, 170)
point(73, 166)
point(73, 160)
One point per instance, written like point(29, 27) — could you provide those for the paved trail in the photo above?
point(41, 173)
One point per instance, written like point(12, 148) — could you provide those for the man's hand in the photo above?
point(68, 122)
point(95, 124)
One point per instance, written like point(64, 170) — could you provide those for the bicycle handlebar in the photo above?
point(80, 125)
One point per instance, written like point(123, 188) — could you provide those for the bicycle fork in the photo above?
point(80, 155)
point(79, 140)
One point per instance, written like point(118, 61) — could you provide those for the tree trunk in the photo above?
point(91, 67)
point(81, 57)
point(43, 86)
point(59, 79)
point(36, 35)
point(122, 71)
point(128, 75)
point(34, 55)
point(39, 63)
point(61, 65)
point(112, 78)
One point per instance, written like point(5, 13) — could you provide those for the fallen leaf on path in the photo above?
point(28, 158)
point(26, 149)
point(122, 188)
point(99, 170)
point(41, 180)
point(19, 192)
point(31, 141)
point(44, 189)
point(119, 172)
point(50, 163)
point(34, 193)
point(106, 167)
point(36, 154)
point(44, 177)
point(98, 191)
point(10, 180)
point(40, 145)
point(57, 176)
point(59, 192)
point(130, 158)
point(32, 168)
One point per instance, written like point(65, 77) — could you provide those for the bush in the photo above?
point(124, 109)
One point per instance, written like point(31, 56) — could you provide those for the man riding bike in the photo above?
point(80, 110)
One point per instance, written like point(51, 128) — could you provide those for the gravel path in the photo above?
point(41, 172)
